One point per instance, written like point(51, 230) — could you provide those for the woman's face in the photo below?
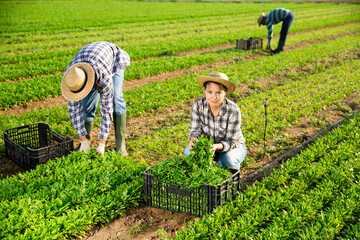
point(214, 94)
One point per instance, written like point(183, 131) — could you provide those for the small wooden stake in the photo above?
point(265, 106)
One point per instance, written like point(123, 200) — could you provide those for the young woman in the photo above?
point(217, 117)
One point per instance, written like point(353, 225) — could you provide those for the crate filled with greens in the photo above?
point(34, 144)
point(193, 185)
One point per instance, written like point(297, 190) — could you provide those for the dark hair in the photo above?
point(221, 85)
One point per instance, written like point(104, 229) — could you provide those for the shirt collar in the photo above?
point(222, 109)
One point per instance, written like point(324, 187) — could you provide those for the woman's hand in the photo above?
point(217, 146)
point(192, 141)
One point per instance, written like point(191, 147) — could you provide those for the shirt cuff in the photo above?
point(226, 146)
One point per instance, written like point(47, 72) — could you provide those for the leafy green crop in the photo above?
point(66, 196)
point(313, 195)
point(195, 170)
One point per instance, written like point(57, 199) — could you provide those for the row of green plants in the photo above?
point(80, 191)
point(135, 31)
point(184, 89)
point(314, 195)
point(322, 91)
point(127, 12)
point(18, 20)
point(132, 33)
point(20, 92)
point(67, 196)
point(47, 62)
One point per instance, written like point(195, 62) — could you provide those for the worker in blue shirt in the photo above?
point(274, 17)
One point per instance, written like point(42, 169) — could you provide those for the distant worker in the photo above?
point(97, 72)
point(219, 118)
point(274, 17)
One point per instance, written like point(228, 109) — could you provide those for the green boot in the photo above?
point(89, 127)
point(279, 48)
point(120, 129)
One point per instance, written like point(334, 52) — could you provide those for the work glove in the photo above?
point(101, 149)
point(84, 146)
point(268, 46)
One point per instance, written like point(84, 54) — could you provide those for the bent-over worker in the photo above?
point(217, 117)
point(97, 72)
point(274, 17)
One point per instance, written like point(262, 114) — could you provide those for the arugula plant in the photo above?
point(195, 170)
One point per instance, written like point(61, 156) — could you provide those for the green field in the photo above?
point(313, 83)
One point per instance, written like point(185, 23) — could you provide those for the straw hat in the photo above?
point(77, 81)
point(217, 77)
point(261, 18)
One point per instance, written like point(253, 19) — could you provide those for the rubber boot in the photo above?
point(120, 129)
point(279, 48)
point(89, 127)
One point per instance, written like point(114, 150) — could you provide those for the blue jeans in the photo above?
point(91, 101)
point(286, 26)
point(230, 159)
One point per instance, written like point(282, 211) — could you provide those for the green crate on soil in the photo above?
point(34, 144)
point(193, 201)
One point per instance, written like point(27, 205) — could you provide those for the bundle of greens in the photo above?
point(195, 170)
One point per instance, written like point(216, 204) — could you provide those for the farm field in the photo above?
point(312, 84)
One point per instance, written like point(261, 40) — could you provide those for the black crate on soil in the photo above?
point(34, 144)
point(250, 43)
point(193, 201)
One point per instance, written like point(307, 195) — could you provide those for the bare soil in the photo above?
point(142, 223)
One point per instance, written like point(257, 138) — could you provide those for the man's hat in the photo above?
point(217, 77)
point(261, 18)
point(77, 81)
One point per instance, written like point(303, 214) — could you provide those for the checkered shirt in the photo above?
point(225, 128)
point(274, 17)
point(106, 59)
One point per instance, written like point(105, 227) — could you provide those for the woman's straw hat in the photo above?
point(217, 77)
point(77, 81)
point(261, 18)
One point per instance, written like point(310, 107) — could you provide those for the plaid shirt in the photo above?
point(106, 59)
point(274, 17)
point(225, 128)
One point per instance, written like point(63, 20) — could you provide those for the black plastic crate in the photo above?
point(250, 43)
point(34, 144)
point(193, 201)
